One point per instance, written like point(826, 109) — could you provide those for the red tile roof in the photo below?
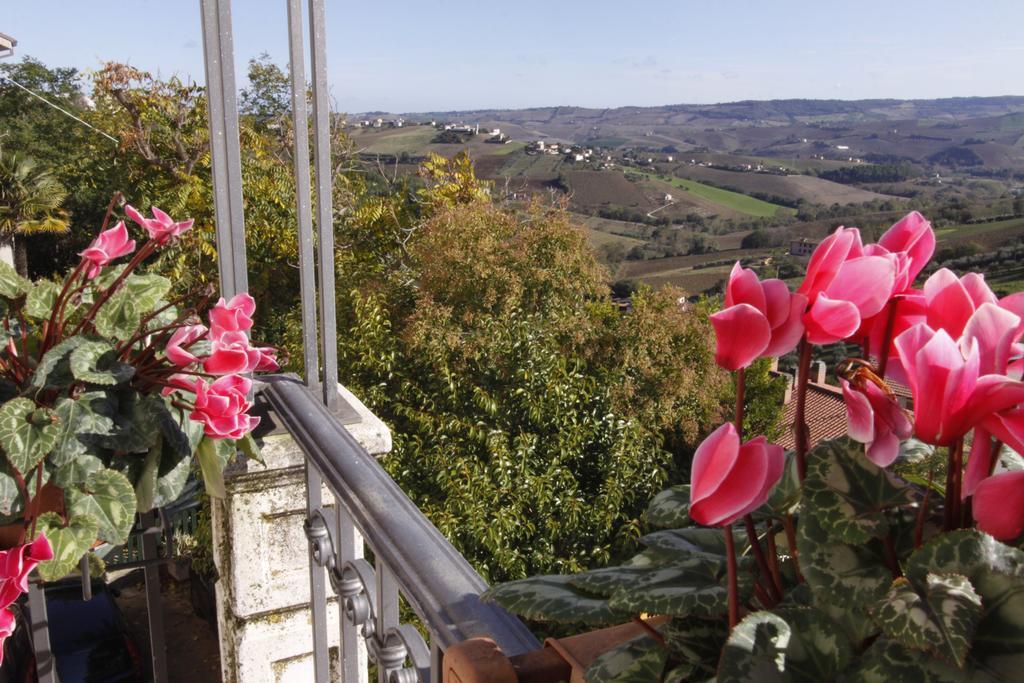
point(825, 414)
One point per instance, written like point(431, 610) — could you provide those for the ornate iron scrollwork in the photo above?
point(321, 547)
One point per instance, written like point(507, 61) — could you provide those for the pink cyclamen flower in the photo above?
point(108, 245)
point(268, 359)
point(913, 237)
point(759, 319)
point(177, 346)
point(950, 394)
point(232, 316)
point(874, 418)
point(951, 301)
point(7, 626)
point(17, 563)
point(230, 353)
point(183, 382)
point(729, 480)
point(161, 227)
point(998, 506)
point(844, 286)
point(223, 407)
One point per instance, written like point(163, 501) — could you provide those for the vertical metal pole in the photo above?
point(154, 602)
point(83, 567)
point(222, 110)
point(303, 208)
point(317, 586)
point(324, 211)
point(387, 607)
point(436, 660)
point(45, 666)
point(353, 649)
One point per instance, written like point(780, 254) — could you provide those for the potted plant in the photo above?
point(110, 386)
point(838, 562)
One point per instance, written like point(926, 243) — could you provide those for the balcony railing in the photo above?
point(411, 558)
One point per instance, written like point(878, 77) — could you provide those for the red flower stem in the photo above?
point(794, 553)
point(763, 596)
point(922, 512)
point(954, 474)
point(730, 563)
point(890, 323)
point(58, 305)
point(651, 631)
point(800, 421)
point(996, 447)
point(762, 562)
point(773, 553)
point(147, 249)
point(114, 200)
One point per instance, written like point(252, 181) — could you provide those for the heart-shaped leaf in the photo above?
point(76, 471)
point(27, 433)
point(54, 370)
point(798, 644)
point(41, 299)
point(69, 543)
point(636, 660)
point(146, 291)
point(848, 492)
point(670, 509)
point(81, 420)
point(12, 285)
point(553, 598)
point(696, 587)
point(96, 362)
point(108, 498)
point(939, 616)
point(118, 317)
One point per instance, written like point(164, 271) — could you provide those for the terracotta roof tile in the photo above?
point(825, 414)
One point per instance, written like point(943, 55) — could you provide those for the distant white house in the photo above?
point(668, 198)
point(842, 147)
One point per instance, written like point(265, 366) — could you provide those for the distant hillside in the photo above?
point(934, 131)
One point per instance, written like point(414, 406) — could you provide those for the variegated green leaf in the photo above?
point(108, 498)
point(54, 370)
point(640, 660)
point(76, 471)
point(41, 299)
point(12, 285)
point(691, 542)
point(69, 543)
point(785, 497)
point(797, 644)
point(11, 503)
point(996, 571)
point(136, 427)
point(939, 616)
point(96, 362)
point(553, 598)
point(119, 316)
point(81, 421)
point(27, 433)
point(887, 661)
point(912, 451)
point(696, 588)
point(670, 508)
point(695, 645)
point(849, 493)
point(607, 580)
point(146, 291)
point(844, 578)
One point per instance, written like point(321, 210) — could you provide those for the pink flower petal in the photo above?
point(999, 505)
point(860, 417)
point(830, 320)
point(742, 334)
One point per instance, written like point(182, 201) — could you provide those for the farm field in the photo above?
point(731, 200)
point(989, 235)
point(797, 165)
point(791, 187)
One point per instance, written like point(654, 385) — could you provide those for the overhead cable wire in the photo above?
point(61, 109)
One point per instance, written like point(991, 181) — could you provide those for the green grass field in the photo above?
point(730, 200)
point(970, 231)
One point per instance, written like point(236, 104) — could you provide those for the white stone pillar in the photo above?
point(262, 559)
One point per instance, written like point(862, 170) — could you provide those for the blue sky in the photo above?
point(419, 55)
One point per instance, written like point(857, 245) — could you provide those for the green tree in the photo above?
point(267, 100)
point(30, 204)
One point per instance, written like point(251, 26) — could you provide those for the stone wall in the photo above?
point(262, 559)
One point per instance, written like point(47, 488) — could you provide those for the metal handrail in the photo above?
point(436, 580)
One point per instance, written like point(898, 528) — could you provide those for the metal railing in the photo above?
point(411, 557)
